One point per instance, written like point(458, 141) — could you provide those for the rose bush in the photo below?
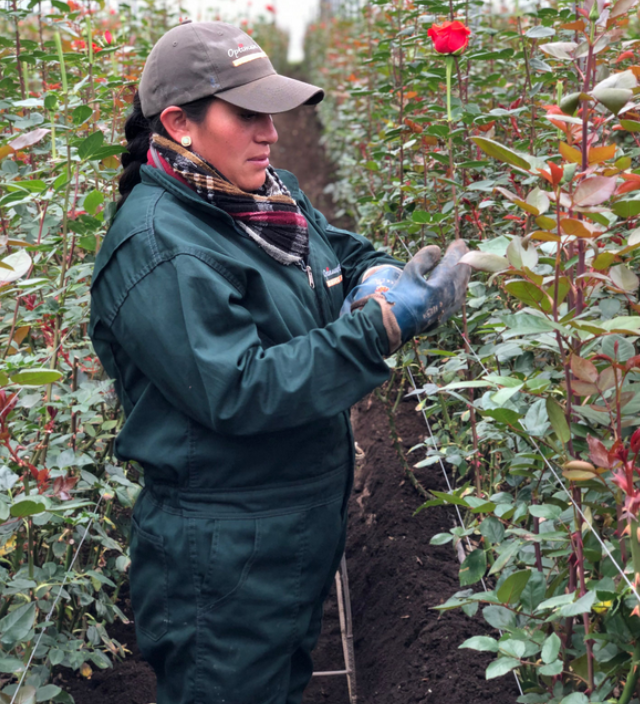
point(535, 419)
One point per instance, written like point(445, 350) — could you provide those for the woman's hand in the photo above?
point(378, 279)
point(415, 304)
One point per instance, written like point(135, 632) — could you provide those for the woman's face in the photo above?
point(235, 141)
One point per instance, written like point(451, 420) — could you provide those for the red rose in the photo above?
point(449, 37)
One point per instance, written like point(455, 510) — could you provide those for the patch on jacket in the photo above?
point(332, 276)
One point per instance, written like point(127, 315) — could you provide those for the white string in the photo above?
point(584, 518)
point(66, 576)
point(446, 477)
point(558, 479)
point(57, 599)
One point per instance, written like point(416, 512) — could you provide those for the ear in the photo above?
point(175, 122)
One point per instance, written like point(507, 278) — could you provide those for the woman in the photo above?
point(215, 307)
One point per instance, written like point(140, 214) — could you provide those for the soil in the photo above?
point(404, 650)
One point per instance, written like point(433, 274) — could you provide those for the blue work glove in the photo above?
point(415, 304)
point(378, 279)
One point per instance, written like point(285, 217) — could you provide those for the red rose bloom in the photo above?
point(450, 37)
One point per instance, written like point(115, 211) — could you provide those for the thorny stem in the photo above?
point(632, 678)
point(413, 480)
point(18, 48)
point(452, 169)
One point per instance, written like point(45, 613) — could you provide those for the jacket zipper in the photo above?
point(308, 271)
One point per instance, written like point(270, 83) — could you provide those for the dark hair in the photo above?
point(138, 130)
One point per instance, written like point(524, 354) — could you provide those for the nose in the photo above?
point(267, 132)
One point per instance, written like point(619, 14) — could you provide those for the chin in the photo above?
point(254, 184)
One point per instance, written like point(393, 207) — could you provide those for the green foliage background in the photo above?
point(531, 394)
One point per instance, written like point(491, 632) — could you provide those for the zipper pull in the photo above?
point(310, 275)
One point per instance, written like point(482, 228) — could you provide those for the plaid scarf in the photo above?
point(269, 216)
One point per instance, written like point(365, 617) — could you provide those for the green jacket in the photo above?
point(232, 370)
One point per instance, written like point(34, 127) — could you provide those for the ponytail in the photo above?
point(137, 130)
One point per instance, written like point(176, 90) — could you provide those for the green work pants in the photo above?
point(227, 587)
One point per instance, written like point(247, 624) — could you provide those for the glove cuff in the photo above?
point(394, 334)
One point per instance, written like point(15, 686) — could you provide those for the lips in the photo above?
point(262, 160)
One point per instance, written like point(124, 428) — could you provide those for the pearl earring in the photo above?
point(185, 141)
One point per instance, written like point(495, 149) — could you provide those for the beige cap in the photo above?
point(200, 59)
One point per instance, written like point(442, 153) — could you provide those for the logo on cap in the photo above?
point(239, 60)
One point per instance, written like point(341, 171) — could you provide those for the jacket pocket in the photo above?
point(148, 582)
point(229, 548)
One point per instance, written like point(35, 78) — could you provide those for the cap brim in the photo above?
point(272, 94)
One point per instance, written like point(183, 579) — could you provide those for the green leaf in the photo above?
point(36, 377)
point(570, 103)
point(502, 153)
point(473, 568)
point(503, 415)
point(630, 125)
point(492, 529)
point(626, 208)
point(92, 201)
point(421, 217)
point(550, 648)
point(29, 505)
point(501, 666)
point(47, 693)
point(513, 586)
point(441, 539)
point(626, 350)
point(624, 278)
point(525, 291)
point(25, 695)
point(534, 592)
point(506, 554)
point(503, 395)
point(499, 617)
point(9, 665)
point(90, 145)
point(546, 511)
point(558, 420)
point(628, 323)
point(575, 698)
point(552, 669)
point(581, 606)
point(56, 656)
point(614, 99)
point(536, 421)
point(527, 324)
point(81, 114)
point(17, 624)
point(482, 643)
point(513, 648)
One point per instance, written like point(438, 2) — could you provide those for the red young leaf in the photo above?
point(594, 190)
point(598, 452)
point(583, 369)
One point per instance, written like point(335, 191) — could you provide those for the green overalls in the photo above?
point(236, 377)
